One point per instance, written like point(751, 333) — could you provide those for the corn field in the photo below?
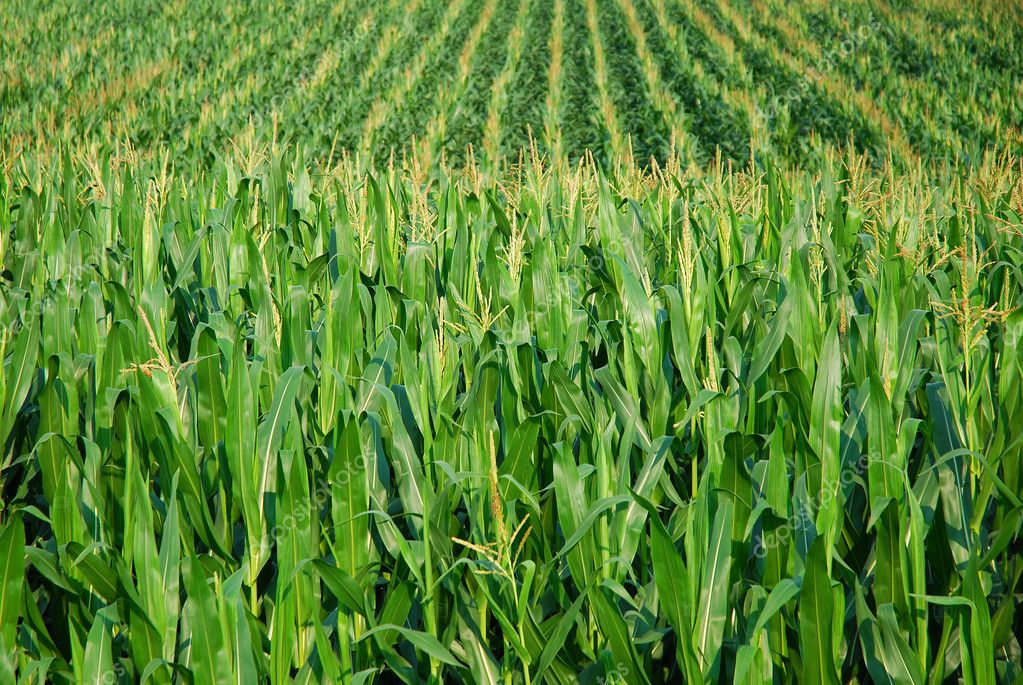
point(607, 78)
point(511, 341)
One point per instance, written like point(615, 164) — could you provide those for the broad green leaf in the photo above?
point(815, 618)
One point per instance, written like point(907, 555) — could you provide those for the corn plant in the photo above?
point(554, 424)
point(508, 341)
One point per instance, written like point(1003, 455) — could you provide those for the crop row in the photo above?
point(369, 77)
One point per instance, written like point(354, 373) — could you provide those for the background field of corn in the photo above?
point(926, 80)
point(511, 341)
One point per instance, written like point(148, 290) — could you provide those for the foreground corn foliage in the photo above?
point(262, 422)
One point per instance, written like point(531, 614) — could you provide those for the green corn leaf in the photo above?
point(815, 617)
